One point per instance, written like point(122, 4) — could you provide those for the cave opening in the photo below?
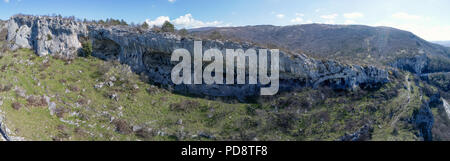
point(105, 49)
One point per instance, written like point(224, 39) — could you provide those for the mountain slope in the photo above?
point(347, 43)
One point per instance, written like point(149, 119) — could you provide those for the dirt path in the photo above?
point(404, 107)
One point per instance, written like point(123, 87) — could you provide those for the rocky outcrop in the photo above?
point(415, 64)
point(363, 134)
point(46, 35)
point(423, 120)
point(446, 107)
point(149, 53)
point(3, 134)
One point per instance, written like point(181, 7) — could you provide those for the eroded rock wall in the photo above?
point(149, 53)
point(46, 35)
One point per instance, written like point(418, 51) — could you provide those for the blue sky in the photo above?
point(426, 18)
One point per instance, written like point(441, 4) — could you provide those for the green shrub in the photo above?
point(168, 27)
point(441, 80)
point(215, 35)
point(87, 49)
point(145, 26)
point(49, 37)
point(122, 126)
point(16, 106)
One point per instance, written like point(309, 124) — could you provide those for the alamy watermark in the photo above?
point(238, 59)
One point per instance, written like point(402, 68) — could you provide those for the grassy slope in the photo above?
point(87, 113)
point(332, 115)
point(140, 107)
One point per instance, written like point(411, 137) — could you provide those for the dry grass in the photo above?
point(184, 105)
point(122, 126)
point(60, 112)
point(36, 101)
point(16, 106)
point(5, 88)
point(74, 88)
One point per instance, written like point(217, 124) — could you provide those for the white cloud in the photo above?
point(332, 16)
point(299, 14)
point(172, 1)
point(353, 15)
point(424, 27)
point(7, 1)
point(280, 16)
point(348, 22)
point(297, 20)
point(423, 30)
point(329, 22)
point(186, 21)
point(406, 16)
point(329, 18)
point(158, 21)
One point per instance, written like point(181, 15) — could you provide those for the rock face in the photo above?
point(446, 107)
point(3, 134)
point(414, 64)
point(423, 120)
point(149, 53)
point(46, 35)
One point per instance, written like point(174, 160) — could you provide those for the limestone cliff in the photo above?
point(149, 53)
point(46, 35)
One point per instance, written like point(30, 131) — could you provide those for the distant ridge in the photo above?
point(346, 43)
point(443, 43)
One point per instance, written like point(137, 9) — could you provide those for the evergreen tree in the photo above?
point(145, 26)
point(168, 27)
